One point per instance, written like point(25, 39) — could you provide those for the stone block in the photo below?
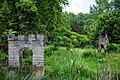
point(13, 63)
point(38, 59)
point(31, 37)
point(21, 37)
point(38, 64)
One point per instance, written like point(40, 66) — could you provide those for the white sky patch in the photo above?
point(77, 6)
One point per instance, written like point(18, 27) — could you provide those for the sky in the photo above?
point(77, 6)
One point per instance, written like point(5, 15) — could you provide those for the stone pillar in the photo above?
point(13, 51)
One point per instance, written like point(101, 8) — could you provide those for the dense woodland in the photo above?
point(61, 30)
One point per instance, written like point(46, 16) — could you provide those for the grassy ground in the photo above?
point(79, 64)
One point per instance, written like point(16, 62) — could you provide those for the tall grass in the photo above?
point(66, 64)
point(14, 73)
point(77, 64)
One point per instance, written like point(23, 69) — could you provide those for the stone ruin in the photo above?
point(17, 44)
point(102, 42)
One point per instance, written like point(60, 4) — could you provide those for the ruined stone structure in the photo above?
point(17, 44)
point(102, 42)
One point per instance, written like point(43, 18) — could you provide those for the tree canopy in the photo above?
point(105, 19)
point(30, 16)
point(46, 17)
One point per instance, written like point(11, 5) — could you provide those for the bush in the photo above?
point(113, 48)
point(3, 63)
point(79, 40)
point(64, 41)
point(102, 60)
point(119, 47)
point(49, 50)
point(89, 53)
point(73, 39)
point(3, 58)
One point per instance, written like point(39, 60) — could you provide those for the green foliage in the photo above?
point(9, 32)
point(106, 22)
point(3, 64)
point(25, 16)
point(115, 4)
point(65, 64)
point(78, 40)
point(89, 53)
point(101, 57)
point(16, 74)
point(6, 74)
point(69, 64)
point(2, 72)
point(101, 6)
point(27, 57)
point(78, 22)
point(73, 39)
point(59, 33)
point(62, 29)
point(33, 17)
point(105, 19)
point(113, 48)
point(3, 58)
point(49, 50)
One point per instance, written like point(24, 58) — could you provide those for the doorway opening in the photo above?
point(25, 57)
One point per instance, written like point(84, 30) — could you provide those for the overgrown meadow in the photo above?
point(80, 64)
point(70, 40)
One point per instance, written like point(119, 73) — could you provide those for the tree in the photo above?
point(105, 19)
point(30, 16)
point(115, 4)
point(27, 16)
point(100, 7)
point(78, 22)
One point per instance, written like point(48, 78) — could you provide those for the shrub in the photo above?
point(102, 60)
point(64, 41)
point(48, 50)
point(113, 47)
point(3, 58)
point(89, 53)
point(73, 39)
point(119, 48)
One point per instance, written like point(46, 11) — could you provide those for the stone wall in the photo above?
point(17, 44)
